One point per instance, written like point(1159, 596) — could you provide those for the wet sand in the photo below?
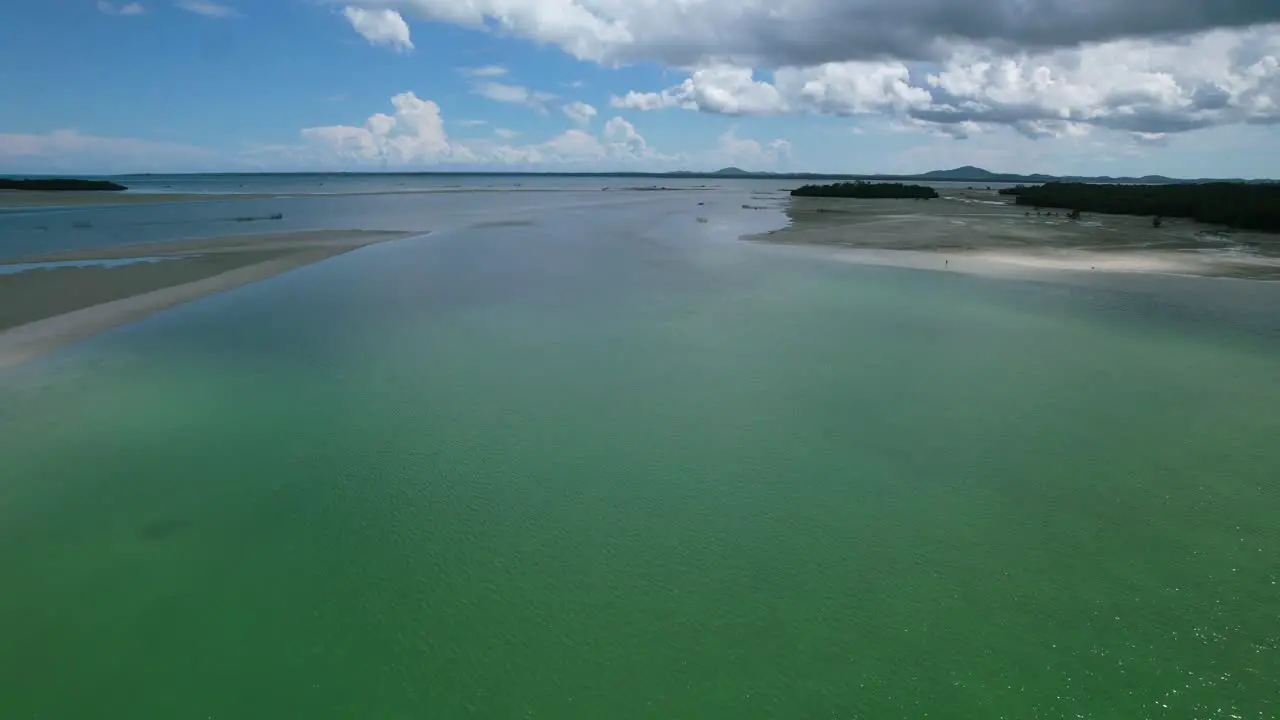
point(44, 308)
point(981, 231)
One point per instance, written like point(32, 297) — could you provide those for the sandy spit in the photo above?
point(103, 298)
point(975, 231)
point(1033, 264)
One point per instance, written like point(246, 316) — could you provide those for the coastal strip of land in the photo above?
point(60, 185)
point(49, 301)
point(980, 231)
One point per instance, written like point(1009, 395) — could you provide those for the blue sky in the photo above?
point(196, 85)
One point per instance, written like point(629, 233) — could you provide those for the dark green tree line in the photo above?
point(1238, 205)
point(866, 190)
point(58, 184)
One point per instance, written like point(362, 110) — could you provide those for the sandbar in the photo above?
point(981, 231)
point(45, 308)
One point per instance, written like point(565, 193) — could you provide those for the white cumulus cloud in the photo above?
point(1041, 67)
point(380, 27)
point(834, 88)
point(579, 112)
point(414, 135)
point(851, 88)
point(1216, 78)
point(645, 101)
point(621, 132)
point(1146, 87)
point(516, 94)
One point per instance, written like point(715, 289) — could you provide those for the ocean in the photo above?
point(574, 453)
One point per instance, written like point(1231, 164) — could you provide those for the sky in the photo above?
point(1186, 88)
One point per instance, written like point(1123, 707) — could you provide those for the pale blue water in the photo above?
point(29, 232)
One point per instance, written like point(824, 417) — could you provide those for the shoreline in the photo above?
point(224, 244)
point(1034, 265)
point(973, 231)
point(53, 307)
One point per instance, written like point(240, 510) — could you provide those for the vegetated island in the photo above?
point(867, 190)
point(1237, 205)
point(60, 185)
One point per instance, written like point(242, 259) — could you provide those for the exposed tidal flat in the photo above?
point(51, 300)
point(574, 454)
point(981, 231)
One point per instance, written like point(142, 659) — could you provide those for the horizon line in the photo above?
point(720, 173)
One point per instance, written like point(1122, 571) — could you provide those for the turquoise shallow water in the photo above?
point(615, 464)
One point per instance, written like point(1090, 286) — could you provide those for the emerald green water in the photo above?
point(567, 473)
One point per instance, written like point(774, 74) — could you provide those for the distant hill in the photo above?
point(966, 174)
point(969, 173)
